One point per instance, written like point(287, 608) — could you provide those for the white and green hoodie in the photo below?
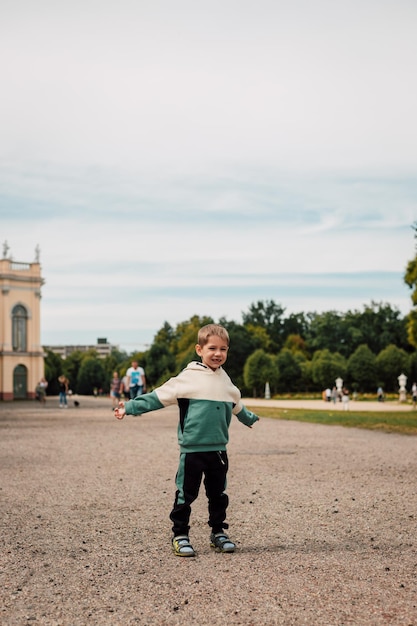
point(206, 398)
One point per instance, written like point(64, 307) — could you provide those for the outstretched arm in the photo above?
point(138, 406)
point(246, 417)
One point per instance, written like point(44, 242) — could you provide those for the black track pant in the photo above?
point(192, 467)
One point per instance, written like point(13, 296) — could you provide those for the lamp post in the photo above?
point(402, 381)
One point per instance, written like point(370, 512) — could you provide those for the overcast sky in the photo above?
point(187, 157)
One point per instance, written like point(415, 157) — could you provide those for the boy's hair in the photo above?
point(212, 329)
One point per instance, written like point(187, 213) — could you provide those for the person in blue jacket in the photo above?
point(207, 399)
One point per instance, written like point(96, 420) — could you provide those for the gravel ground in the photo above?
point(324, 519)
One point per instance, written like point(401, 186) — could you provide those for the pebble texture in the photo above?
point(324, 518)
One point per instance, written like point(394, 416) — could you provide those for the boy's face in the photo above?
point(214, 352)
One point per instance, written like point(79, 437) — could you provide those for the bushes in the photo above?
point(361, 369)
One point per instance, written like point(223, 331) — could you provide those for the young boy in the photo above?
point(207, 399)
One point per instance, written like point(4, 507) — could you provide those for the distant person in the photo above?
point(63, 390)
point(124, 388)
point(334, 395)
point(414, 395)
point(41, 390)
point(380, 394)
point(115, 385)
point(345, 399)
point(137, 380)
point(328, 393)
point(207, 400)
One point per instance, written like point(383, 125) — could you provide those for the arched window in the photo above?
point(19, 328)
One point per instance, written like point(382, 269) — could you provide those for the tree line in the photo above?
point(302, 352)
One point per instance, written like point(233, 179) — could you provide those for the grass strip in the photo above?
point(389, 422)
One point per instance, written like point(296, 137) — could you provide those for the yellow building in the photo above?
point(21, 353)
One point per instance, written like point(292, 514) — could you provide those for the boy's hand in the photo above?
point(120, 412)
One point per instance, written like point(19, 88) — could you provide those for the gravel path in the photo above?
point(324, 519)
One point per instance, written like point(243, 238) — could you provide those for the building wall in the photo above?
point(20, 284)
point(103, 349)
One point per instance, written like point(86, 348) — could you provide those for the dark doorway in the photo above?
point(20, 382)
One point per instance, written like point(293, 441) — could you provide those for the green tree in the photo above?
point(306, 379)
point(295, 324)
point(411, 321)
point(186, 339)
point(390, 363)
point(361, 368)
point(259, 369)
point(242, 344)
point(296, 343)
point(165, 335)
point(327, 332)
point(326, 366)
point(412, 367)
point(91, 375)
point(160, 364)
point(289, 368)
point(410, 279)
point(378, 325)
point(269, 315)
point(54, 366)
point(260, 338)
point(72, 366)
point(113, 363)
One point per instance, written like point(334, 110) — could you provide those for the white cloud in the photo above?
point(264, 148)
point(306, 85)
